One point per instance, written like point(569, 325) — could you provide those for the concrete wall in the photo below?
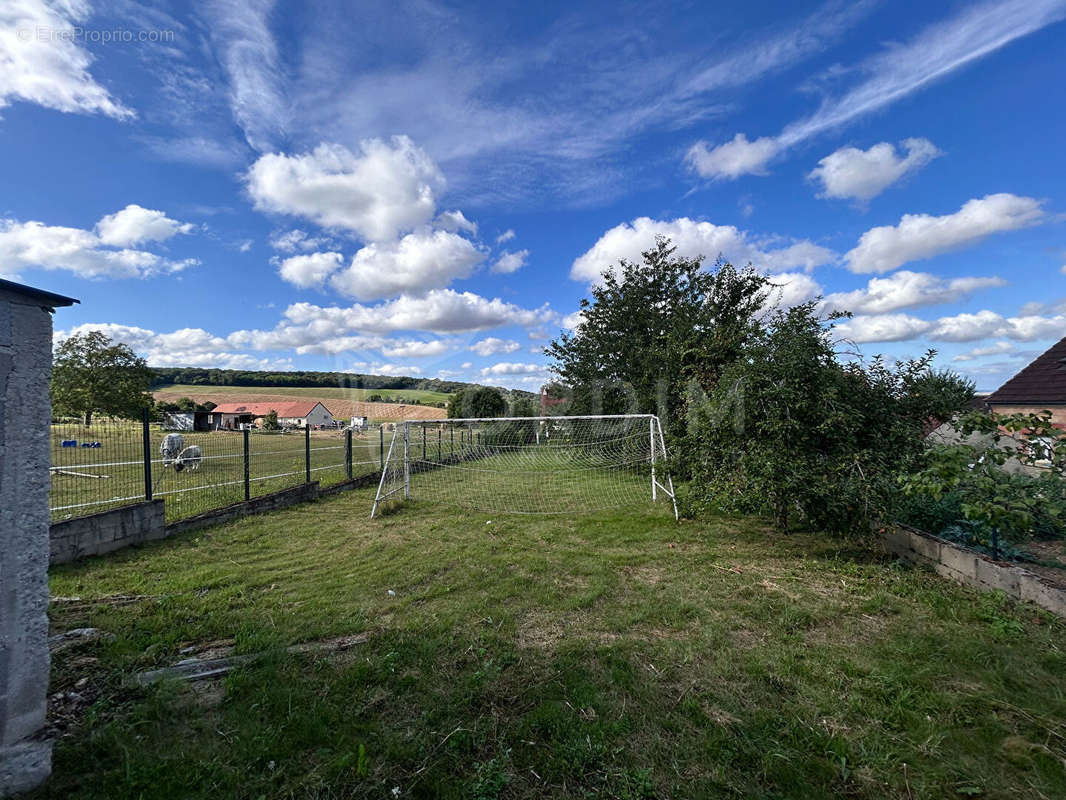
point(25, 370)
point(105, 531)
point(973, 569)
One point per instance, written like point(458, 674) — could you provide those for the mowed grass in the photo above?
point(276, 461)
point(609, 655)
point(174, 391)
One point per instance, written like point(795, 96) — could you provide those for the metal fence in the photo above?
point(115, 462)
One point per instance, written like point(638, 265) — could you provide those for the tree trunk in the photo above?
point(88, 418)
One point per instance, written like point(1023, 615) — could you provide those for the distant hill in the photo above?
point(429, 391)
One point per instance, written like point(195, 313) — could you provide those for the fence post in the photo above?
point(348, 453)
point(451, 452)
point(247, 466)
point(423, 441)
point(307, 453)
point(438, 443)
point(381, 445)
point(147, 443)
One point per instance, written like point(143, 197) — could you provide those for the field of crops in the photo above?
point(100, 467)
point(341, 402)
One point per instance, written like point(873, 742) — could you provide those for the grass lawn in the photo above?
point(619, 655)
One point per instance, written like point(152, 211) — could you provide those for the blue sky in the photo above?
point(429, 189)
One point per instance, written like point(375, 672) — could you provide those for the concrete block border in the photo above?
point(972, 568)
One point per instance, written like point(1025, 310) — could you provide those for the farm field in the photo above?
point(88, 480)
point(341, 402)
point(607, 655)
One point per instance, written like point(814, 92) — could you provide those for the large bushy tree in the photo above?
point(793, 432)
point(652, 327)
point(93, 375)
point(477, 401)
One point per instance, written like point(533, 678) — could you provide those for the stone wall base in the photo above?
point(973, 569)
point(24, 765)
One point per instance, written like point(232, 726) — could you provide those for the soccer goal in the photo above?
point(528, 465)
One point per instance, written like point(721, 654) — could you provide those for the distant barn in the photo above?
point(297, 414)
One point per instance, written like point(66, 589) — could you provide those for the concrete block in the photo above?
point(24, 766)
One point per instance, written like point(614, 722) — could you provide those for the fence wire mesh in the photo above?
point(105, 465)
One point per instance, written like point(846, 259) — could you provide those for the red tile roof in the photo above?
point(1041, 383)
point(298, 408)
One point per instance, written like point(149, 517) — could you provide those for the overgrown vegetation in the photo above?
point(762, 412)
point(971, 487)
point(604, 656)
point(791, 430)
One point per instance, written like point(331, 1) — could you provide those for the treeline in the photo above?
point(198, 376)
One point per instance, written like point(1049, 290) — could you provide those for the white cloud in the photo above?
point(385, 189)
point(455, 221)
point(883, 328)
point(32, 244)
point(999, 348)
point(296, 239)
point(905, 289)
point(377, 368)
point(921, 236)
point(792, 288)
point(510, 262)
point(493, 345)
point(938, 50)
point(311, 270)
point(693, 238)
point(733, 158)
point(968, 327)
point(891, 75)
point(573, 321)
point(437, 311)
point(415, 349)
point(135, 224)
point(249, 56)
point(418, 262)
point(863, 174)
point(509, 234)
point(512, 368)
point(50, 70)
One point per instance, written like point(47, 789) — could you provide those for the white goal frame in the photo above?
point(656, 450)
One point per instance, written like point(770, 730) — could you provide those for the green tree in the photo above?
point(477, 401)
point(186, 405)
point(93, 375)
point(653, 327)
point(525, 407)
point(792, 432)
point(270, 421)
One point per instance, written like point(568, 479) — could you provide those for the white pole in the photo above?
point(651, 437)
point(406, 461)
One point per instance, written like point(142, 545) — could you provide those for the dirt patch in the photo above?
point(649, 575)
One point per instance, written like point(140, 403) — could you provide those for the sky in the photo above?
point(429, 189)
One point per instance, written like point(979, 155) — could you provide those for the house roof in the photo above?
point(1042, 382)
point(296, 408)
point(37, 295)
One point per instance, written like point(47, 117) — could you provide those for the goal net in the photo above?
point(528, 465)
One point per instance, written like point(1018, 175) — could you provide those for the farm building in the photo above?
point(297, 414)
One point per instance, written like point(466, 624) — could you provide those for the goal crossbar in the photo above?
point(528, 465)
